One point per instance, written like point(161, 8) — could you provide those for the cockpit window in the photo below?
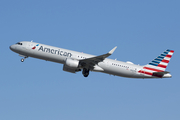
point(19, 43)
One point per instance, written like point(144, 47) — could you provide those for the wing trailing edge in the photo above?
point(91, 62)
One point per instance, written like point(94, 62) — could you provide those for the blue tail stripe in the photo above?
point(158, 59)
point(166, 52)
point(153, 64)
point(163, 55)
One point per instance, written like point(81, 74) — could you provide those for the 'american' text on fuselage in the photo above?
point(57, 52)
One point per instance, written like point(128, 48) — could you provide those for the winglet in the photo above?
point(111, 52)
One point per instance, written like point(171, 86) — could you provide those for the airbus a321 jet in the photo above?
point(76, 61)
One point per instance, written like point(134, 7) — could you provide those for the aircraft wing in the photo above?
point(94, 60)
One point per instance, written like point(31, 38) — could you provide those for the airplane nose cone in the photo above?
point(12, 47)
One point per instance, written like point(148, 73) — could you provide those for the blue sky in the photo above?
point(41, 90)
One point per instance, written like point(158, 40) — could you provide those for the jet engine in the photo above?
point(71, 65)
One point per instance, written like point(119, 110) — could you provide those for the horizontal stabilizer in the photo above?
point(160, 74)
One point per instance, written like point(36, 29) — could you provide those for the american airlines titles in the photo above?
point(53, 51)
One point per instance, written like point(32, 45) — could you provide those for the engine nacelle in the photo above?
point(71, 66)
point(72, 63)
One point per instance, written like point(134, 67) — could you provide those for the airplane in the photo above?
point(77, 61)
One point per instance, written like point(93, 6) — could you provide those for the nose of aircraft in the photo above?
point(12, 47)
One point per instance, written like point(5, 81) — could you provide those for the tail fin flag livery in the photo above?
point(74, 61)
point(158, 66)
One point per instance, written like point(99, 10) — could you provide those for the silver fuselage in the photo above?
point(59, 55)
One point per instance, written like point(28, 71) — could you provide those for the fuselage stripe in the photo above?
point(144, 72)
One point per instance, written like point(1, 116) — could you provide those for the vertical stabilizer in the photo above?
point(159, 64)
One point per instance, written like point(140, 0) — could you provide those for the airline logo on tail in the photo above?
point(159, 64)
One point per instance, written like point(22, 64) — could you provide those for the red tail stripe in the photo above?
point(148, 73)
point(153, 69)
point(169, 56)
point(172, 51)
point(166, 61)
point(163, 66)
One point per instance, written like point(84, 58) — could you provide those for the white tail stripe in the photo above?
point(166, 58)
point(163, 63)
point(148, 70)
point(155, 67)
point(170, 53)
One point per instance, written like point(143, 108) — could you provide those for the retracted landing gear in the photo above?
point(22, 60)
point(85, 72)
